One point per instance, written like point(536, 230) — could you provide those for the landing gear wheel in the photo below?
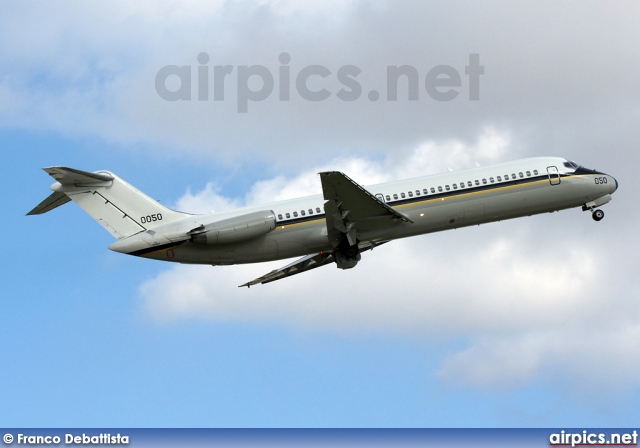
point(352, 251)
point(349, 251)
point(597, 215)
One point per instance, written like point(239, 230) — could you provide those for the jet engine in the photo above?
point(234, 230)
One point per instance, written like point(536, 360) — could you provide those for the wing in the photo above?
point(303, 264)
point(350, 209)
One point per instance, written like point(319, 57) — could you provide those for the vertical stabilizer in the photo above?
point(118, 206)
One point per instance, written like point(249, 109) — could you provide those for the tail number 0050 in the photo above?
point(151, 218)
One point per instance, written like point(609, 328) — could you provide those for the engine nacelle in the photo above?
point(234, 230)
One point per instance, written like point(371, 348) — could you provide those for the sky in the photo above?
point(532, 322)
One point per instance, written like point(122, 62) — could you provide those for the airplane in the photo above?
point(335, 226)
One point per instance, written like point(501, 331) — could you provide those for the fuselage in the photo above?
point(434, 203)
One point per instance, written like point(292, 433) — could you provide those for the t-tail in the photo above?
point(118, 206)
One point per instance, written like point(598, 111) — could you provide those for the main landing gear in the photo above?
point(597, 214)
point(347, 256)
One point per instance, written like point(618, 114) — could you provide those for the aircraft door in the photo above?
point(554, 175)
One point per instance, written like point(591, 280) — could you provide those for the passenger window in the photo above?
point(425, 191)
point(433, 190)
point(287, 215)
point(455, 186)
point(311, 211)
point(395, 196)
point(317, 209)
point(388, 198)
point(302, 212)
point(513, 176)
point(417, 192)
point(410, 194)
point(446, 187)
point(499, 179)
point(491, 179)
point(469, 184)
point(535, 172)
point(484, 181)
point(295, 214)
point(439, 188)
point(528, 173)
point(461, 184)
point(402, 195)
point(521, 175)
point(280, 217)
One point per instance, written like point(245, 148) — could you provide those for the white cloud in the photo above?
point(206, 201)
point(429, 158)
point(526, 297)
point(578, 356)
point(89, 69)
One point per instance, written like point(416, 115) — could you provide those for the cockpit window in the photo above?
point(570, 164)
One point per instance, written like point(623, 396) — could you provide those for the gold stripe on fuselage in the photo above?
point(452, 195)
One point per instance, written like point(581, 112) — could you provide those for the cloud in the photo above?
point(525, 297)
point(88, 70)
point(577, 356)
point(430, 157)
point(206, 201)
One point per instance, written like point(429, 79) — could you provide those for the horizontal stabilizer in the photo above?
point(71, 176)
point(55, 200)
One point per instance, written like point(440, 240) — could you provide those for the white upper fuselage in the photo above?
point(433, 203)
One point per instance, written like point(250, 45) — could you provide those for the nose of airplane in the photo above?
point(616, 180)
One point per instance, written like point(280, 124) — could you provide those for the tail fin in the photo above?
point(118, 206)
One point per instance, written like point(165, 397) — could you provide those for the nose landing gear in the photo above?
point(597, 214)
